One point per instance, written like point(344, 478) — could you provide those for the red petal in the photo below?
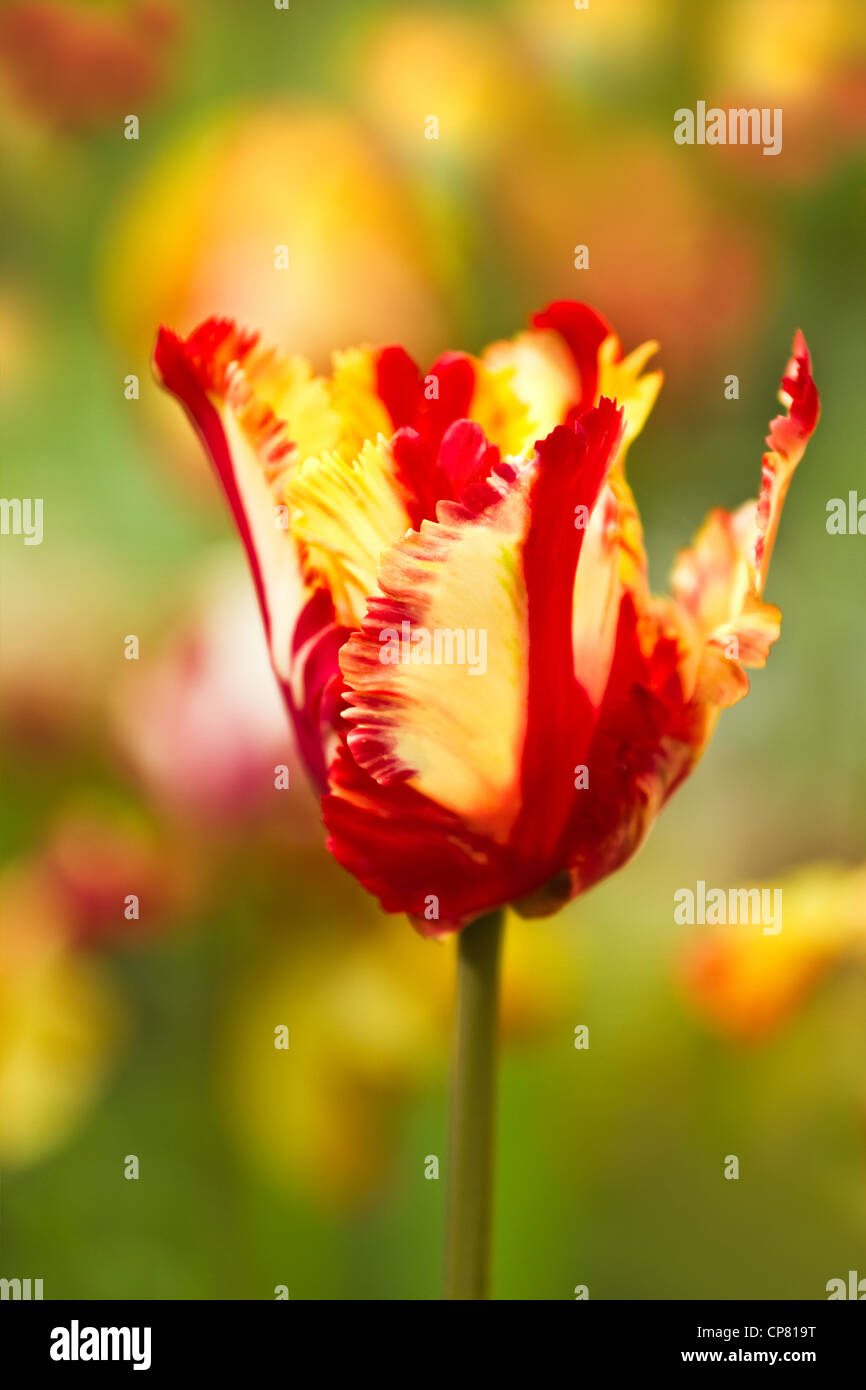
point(584, 330)
point(209, 367)
point(404, 849)
point(573, 466)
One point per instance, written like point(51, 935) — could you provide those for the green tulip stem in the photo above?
point(473, 1107)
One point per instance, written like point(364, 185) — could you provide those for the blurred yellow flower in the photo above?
point(807, 59)
point(367, 1012)
point(745, 984)
point(284, 215)
point(595, 39)
point(789, 50)
point(439, 64)
point(60, 1021)
point(202, 227)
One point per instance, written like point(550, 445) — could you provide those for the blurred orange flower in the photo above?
point(659, 247)
point(807, 59)
point(746, 984)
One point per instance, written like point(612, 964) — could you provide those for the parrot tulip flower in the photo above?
point(453, 584)
point(487, 496)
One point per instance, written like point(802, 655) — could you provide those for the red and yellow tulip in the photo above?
point(487, 495)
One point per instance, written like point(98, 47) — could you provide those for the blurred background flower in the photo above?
point(810, 61)
point(600, 46)
point(474, 83)
point(204, 727)
point(95, 858)
point(81, 65)
point(746, 984)
point(61, 1019)
point(660, 250)
point(198, 235)
point(369, 1010)
point(201, 233)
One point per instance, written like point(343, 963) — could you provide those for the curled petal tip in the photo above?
point(789, 433)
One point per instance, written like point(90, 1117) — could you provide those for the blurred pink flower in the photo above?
point(204, 726)
point(93, 860)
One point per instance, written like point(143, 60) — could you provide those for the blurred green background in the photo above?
point(153, 1036)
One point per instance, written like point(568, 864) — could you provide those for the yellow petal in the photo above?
point(345, 514)
point(624, 383)
point(356, 402)
point(540, 373)
point(442, 700)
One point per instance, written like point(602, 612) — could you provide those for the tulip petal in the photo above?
point(445, 770)
point(541, 372)
point(231, 389)
point(354, 395)
point(566, 362)
point(719, 581)
point(465, 457)
point(456, 387)
point(643, 741)
point(429, 405)
point(419, 695)
point(215, 375)
point(573, 464)
point(626, 382)
point(414, 856)
point(569, 358)
point(788, 437)
point(344, 514)
point(673, 665)
point(583, 331)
